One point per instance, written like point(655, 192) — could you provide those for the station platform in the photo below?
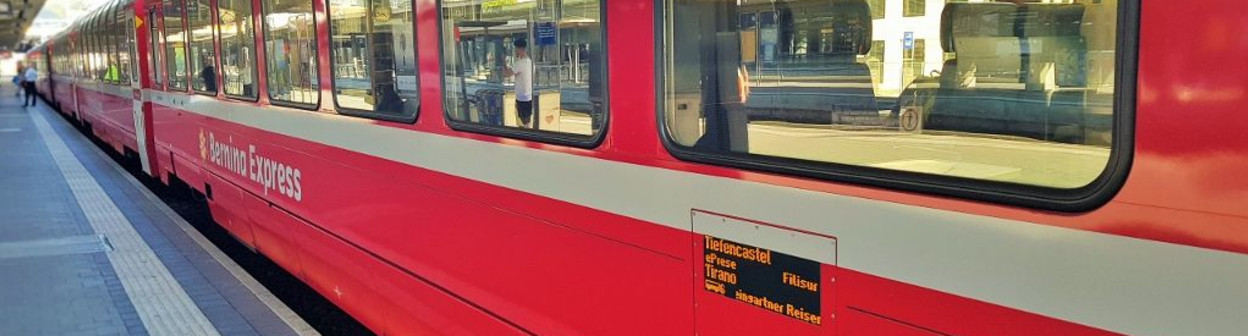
point(86, 249)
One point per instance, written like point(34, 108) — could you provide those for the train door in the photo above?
point(140, 107)
point(77, 64)
point(48, 58)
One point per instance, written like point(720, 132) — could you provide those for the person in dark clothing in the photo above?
point(28, 84)
point(209, 76)
point(17, 79)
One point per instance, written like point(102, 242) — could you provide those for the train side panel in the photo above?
point(423, 229)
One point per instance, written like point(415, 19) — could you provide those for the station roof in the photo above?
point(15, 17)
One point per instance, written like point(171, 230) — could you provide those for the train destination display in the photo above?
point(763, 278)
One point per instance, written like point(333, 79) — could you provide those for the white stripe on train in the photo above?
point(1117, 283)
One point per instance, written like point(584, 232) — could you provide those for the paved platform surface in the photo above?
point(85, 249)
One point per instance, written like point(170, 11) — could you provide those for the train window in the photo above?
point(112, 74)
point(76, 58)
point(101, 48)
point(126, 45)
point(84, 51)
point(156, 38)
point(238, 44)
point(373, 51)
point(80, 58)
point(526, 68)
point(175, 45)
point(68, 60)
point(1017, 98)
point(203, 57)
point(290, 46)
point(74, 55)
point(97, 50)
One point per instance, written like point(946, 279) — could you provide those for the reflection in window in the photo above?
point(290, 45)
point(101, 48)
point(913, 59)
point(1014, 91)
point(111, 43)
point(203, 56)
point(875, 62)
point(81, 47)
point(88, 50)
point(374, 56)
point(129, 63)
point(525, 64)
point(175, 45)
point(155, 36)
point(90, 60)
point(238, 55)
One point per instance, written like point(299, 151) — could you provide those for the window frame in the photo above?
point(220, 49)
point(1089, 197)
point(316, 46)
point(333, 73)
point(538, 135)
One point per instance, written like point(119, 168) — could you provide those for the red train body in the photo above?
point(422, 227)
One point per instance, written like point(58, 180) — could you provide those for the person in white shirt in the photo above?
point(522, 69)
point(28, 84)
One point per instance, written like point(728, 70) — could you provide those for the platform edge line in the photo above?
point(279, 308)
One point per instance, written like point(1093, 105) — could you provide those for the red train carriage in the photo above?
point(794, 167)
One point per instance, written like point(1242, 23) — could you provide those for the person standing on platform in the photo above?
point(522, 69)
point(28, 84)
